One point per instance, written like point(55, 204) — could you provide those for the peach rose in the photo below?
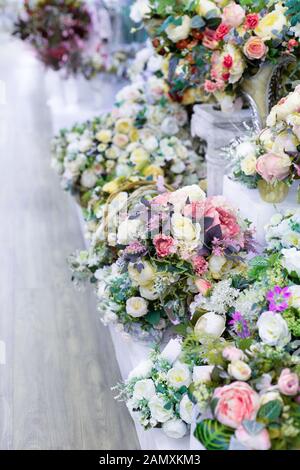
point(255, 48)
point(288, 383)
point(233, 15)
point(259, 441)
point(231, 353)
point(236, 402)
point(272, 167)
point(203, 286)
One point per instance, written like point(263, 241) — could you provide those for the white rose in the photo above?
point(186, 409)
point(84, 145)
point(273, 329)
point(88, 179)
point(128, 231)
point(169, 126)
point(239, 370)
point(172, 351)
point(175, 428)
point(205, 6)
point(245, 149)
point(294, 300)
point(216, 263)
point(184, 229)
point(140, 10)
point(210, 325)
point(177, 33)
point(143, 370)
point(150, 143)
point(143, 277)
point(193, 193)
point(136, 307)
point(149, 292)
point(202, 373)
point(144, 389)
point(155, 63)
point(178, 167)
point(291, 260)
point(179, 375)
point(158, 410)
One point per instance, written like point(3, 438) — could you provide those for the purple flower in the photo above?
point(278, 299)
point(239, 325)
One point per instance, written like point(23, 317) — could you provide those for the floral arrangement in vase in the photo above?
point(169, 247)
point(211, 46)
point(238, 362)
point(58, 31)
point(270, 159)
point(145, 136)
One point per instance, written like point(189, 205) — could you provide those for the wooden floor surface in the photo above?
point(60, 364)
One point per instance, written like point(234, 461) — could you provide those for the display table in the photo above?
point(254, 208)
point(129, 354)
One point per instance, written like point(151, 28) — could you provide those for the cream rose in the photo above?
point(139, 157)
point(193, 193)
point(272, 23)
point(177, 33)
point(248, 165)
point(104, 136)
point(158, 410)
point(123, 126)
point(175, 428)
point(269, 396)
point(144, 389)
point(179, 375)
point(136, 307)
point(216, 264)
point(233, 15)
point(209, 325)
point(294, 300)
point(143, 277)
point(186, 409)
point(85, 144)
point(239, 370)
point(273, 329)
point(183, 228)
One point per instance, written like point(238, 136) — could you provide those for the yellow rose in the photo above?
point(134, 135)
point(111, 187)
point(272, 23)
point(143, 278)
point(123, 126)
point(139, 157)
point(104, 136)
point(248, 165)
point(153, 170)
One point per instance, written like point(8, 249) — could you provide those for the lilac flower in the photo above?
point(240, 325)
point(278, 299)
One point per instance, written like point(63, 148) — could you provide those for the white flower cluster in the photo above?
point(283, 231)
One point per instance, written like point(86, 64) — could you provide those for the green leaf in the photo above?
point(270, 411)
point(213, 435)
point(168, 405)
point(153, 317)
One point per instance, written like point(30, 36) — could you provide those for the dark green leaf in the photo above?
point(153, 317)
point(270, 411)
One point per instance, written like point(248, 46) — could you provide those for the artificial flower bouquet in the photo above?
point(270, 160)
point(58, 30)
point(145, 136)
point(170, 247)
point(212, 45)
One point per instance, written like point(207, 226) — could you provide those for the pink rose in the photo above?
point(255, 48)
point(164, 245)
point(259, 441)
point(231, 353)
point(203, 286)
point(222, 216)
point(288, 383)
point(161, 199)
point(233, 15)
point(272, 167)
point(209, 39)
point(194, 210)
point(210, 87)
point(236, 402)
point(200, 265)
